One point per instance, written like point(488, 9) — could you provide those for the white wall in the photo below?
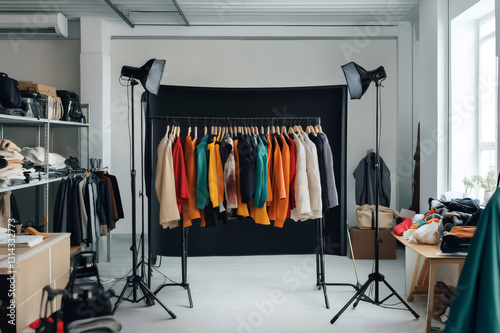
point(260, 63)
point(53, 63)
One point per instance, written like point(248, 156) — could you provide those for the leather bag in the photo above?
point(85, 296)
point(366, 217)
point(10, 97)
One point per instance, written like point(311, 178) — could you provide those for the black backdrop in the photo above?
point(244, 237)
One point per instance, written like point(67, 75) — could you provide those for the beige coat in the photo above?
point(302, 209)
point(313, 177)
point(165, 184)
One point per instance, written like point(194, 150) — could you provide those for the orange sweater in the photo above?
point(278, 184)
point(282, 207)
point(189, 210)
point(212, 175)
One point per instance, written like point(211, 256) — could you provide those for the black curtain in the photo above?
point(244, 237)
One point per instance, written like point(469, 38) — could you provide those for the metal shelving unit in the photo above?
point(42, 135)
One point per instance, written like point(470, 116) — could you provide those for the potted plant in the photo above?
point(469, 183)
point(488, 184)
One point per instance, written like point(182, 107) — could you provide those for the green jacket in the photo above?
point(476, 306)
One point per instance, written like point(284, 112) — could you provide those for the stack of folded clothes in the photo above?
point(11, 164)
point(57, 165)
point(458, 239)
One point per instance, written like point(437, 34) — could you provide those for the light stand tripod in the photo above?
point(358, 81)
point(135, 281)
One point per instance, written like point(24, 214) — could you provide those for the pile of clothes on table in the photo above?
point(451, 223)
point(20, 166)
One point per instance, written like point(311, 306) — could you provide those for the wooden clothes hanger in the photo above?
point(284, 132)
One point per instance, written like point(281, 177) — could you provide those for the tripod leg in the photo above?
point(149, 293)
point(327, 303)
point(401, 300)
point(189, 296)
point(120, 298)
point(359, 294)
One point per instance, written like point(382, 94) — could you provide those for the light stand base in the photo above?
point(323, 285)
point(361, 295)
point(136, 283)
point(182, 285)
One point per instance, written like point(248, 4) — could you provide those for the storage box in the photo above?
point(363, 244)
point(44, 90)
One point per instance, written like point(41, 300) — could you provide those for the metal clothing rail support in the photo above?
point(320, 259)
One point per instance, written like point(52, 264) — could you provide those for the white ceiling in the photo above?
point(227, 12)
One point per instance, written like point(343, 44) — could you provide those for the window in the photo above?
point(487, 96)
point(473, 116)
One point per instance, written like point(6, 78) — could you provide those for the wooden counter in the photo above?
point(35, 267)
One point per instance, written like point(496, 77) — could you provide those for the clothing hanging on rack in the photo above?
point(84, 206)
point(269, 177)
point(365, 182)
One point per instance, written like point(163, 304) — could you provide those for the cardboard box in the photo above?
point(44, 90)
point(363, 244)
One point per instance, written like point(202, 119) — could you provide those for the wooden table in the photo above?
point(427, 279)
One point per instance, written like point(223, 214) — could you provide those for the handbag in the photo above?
point(85, 295)
point(366, 217)
point(71, 106)
point(10, 97)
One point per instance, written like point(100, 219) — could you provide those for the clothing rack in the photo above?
point(95, 246)
point(252, 121)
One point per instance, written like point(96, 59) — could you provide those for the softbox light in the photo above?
point(359, 79)
point(149, 74)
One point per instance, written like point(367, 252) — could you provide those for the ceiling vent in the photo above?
point(29, 24)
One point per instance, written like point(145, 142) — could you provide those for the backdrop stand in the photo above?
point(320, 223)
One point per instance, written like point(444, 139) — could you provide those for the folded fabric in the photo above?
point(14, 155)
point(433, 217)
point(8, 145)
point(427, 234)
point(452, 243)
point(418, 218)
point(8, 175)
point(58, 166)
point(37, 156)
point(3, 162)
point(464, 232)
point(14, 162)
point(403, 226)
point(11, 166)
point(408, 233)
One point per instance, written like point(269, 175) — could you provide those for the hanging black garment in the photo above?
point(365, 182)
point(415, 202)
point(322, 169)
point(116, 193)
point(61, 206)
point(74, 219)
point(247, 168)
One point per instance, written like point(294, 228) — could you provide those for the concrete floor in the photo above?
point(257, 294)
